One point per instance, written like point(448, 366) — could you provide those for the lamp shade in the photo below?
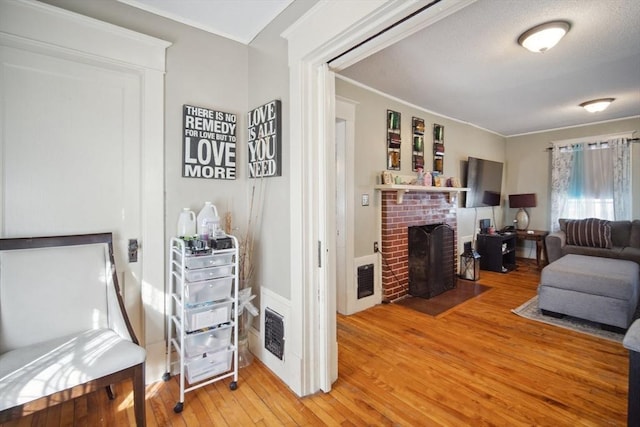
point(522, 200)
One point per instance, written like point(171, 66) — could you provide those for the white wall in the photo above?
point(269, 80)
point(203, 70)
point(461, 141)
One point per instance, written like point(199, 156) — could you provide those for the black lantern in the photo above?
point(469, 263)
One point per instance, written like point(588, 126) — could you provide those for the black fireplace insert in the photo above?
point(431, 260)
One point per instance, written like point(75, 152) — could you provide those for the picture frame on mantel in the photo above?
point(394, 140)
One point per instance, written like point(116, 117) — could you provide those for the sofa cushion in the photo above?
point(563, 224)
point(592, 232)
point(631, 254)
point(634, 237)
point(620, 233)
point(615, 252)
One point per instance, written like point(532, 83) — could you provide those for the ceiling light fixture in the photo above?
point(597, 105)
point(544, 36)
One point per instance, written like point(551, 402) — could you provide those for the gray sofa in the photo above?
point(625, 242)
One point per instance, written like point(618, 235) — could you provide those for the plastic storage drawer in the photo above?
point(206, 291)
point(206, 316)
point(199, 343)
point(201, 368)
point(208, 273)
point(216, 260)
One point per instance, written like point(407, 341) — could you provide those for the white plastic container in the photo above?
point(200, 368)
point(205, 261)
point(210, 341)
point(208, 273)
point(207, 316)
point(186, 223)
point(208, 222)
point(208, 290)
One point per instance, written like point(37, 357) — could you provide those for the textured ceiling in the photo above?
point(469, 66)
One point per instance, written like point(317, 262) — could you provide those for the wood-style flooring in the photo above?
point(477, 364)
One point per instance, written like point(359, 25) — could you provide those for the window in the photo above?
point(591, 180)
point(590, 192)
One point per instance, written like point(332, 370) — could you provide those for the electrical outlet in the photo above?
point(375, 246)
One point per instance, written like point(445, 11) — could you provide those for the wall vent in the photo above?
point(274, 333)
point(365, 280)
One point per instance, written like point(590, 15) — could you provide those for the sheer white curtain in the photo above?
point(561, 165)
point(591, 180)
point(621, 149)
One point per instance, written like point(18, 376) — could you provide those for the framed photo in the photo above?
point(394, 140)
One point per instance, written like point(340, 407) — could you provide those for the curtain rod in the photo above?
point(633, 140)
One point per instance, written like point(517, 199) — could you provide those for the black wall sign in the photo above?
point(265, 140)
point(209, 149)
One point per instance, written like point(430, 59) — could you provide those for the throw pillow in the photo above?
point(591, 232)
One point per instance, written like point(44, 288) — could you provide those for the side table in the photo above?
point(538, 236)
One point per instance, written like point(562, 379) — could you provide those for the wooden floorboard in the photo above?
point(478, 364)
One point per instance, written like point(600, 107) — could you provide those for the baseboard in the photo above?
point(156, 363)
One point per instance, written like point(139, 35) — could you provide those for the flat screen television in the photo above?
point(484, 180)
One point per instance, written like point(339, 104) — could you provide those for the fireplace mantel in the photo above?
point(401, 189)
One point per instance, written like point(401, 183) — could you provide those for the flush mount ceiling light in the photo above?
point(597, 105)
point(544, 36)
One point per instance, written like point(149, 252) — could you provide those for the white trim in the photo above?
point(592, 139)
point(346, 110)
point(573, 127)
point(71, 32)
point(327, 328)
point(329, 29)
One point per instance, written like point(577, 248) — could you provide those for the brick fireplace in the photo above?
point(417, 208)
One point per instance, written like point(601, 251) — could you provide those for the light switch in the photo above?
point(365, 200)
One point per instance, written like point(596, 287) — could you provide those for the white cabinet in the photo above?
point(202, 303)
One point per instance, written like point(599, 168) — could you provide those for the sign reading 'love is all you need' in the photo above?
point(265, 140)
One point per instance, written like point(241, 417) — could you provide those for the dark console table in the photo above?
point(538, 236)
point(497, 251)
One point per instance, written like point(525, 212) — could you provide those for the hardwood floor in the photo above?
point(476, 364)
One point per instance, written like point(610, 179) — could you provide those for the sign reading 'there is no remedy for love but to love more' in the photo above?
point(265, 145)
point(209, 143)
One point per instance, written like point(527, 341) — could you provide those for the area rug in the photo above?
point(531, 311)
point(444, 302)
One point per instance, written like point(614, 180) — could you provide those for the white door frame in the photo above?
point(326, 31)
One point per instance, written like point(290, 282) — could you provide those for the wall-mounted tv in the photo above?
point(484, 180)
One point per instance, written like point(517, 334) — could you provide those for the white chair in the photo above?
point(64, 331)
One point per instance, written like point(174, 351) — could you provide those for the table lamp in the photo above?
point(522, 201)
